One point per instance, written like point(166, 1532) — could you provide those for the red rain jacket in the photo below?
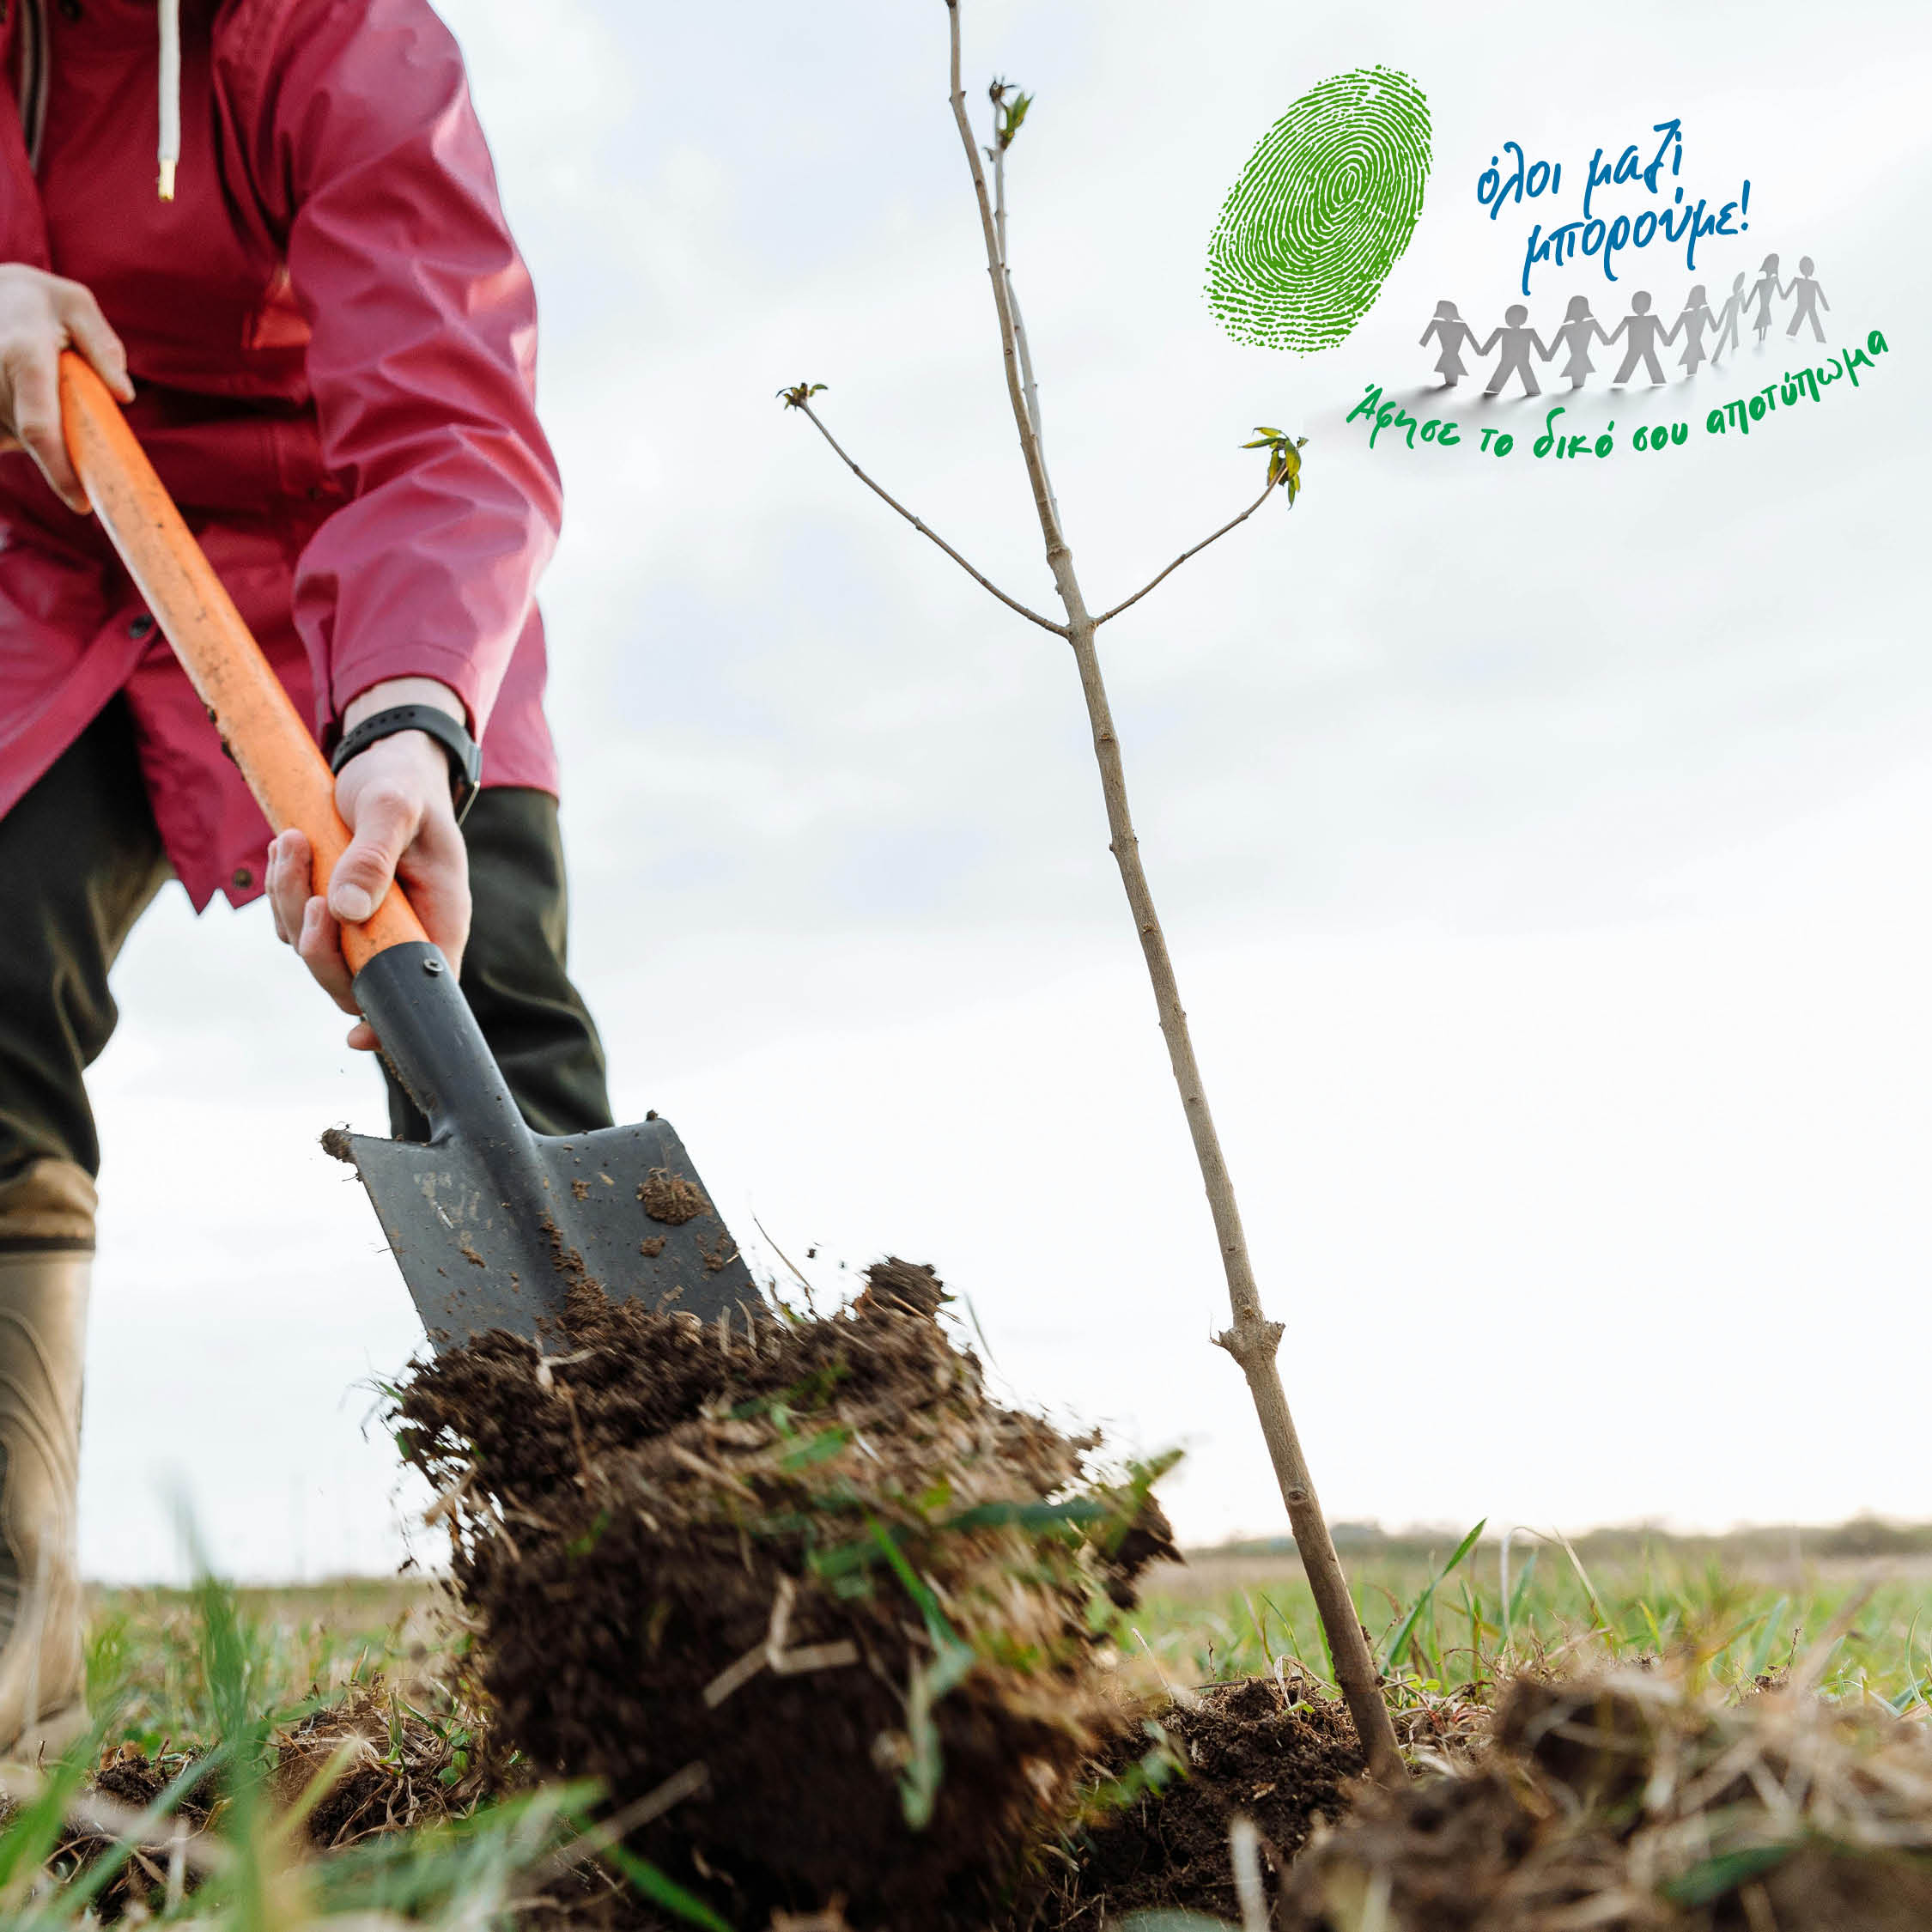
point(332, 340)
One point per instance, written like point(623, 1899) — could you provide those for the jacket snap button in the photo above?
point(141, 625)
point(69, 10)
point(243, 879)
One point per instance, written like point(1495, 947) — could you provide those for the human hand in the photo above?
point(395, 799)
point(41, 314)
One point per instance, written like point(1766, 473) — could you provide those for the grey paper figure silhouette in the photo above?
point(1728, 317)
point(1811, 298)
point(1579, 328)
point(1517, 343)
point(1455, 335)
point(1762, 292)
point(1691, 324)
point(1646, 335)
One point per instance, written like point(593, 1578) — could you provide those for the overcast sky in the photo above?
point(1542, 847)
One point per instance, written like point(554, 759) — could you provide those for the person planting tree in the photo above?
point(325, 338)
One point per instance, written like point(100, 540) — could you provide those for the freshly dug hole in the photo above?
point(807, 1569)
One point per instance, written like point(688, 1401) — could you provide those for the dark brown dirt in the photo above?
point(1244, 1750)
point(811, 1557)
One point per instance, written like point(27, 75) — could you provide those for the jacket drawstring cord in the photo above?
point(170, 152)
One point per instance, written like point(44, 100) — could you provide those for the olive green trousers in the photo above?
point(80, 860)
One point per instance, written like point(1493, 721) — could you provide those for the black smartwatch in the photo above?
point(465, 755)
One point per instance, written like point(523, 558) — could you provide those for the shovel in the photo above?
point(491, 1224)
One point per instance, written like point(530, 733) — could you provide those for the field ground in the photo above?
point(1738, 1607)
point(181, 1671)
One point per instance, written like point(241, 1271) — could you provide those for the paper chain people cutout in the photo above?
point(1642, 333)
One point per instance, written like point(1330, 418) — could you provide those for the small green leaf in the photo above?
point(829, 1442)
point(1705, 1884)
point(1036, 1516)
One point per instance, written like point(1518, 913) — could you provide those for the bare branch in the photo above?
point(1185, 555)
point(985, 583)
point(1009, 349)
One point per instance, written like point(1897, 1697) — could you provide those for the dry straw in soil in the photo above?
point(1626, 1802)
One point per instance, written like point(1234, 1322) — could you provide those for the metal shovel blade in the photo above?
point(623, 1207)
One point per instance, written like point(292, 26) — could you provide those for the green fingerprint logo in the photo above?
point(1322, 212)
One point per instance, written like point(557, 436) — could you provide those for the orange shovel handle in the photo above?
point(259, 723)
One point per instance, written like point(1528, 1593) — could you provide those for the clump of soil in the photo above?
point(1246, 1749)
point(124, 1783)
point(671, 1198)
point(799, 1585)
point(1623, 1803)
point(388, 1768)
point(399, 1771)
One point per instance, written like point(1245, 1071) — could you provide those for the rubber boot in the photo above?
point(47, 1239)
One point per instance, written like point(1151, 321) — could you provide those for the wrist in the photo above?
point(393, 691)
point(431, 728)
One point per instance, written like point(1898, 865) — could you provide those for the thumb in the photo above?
point(386, 821)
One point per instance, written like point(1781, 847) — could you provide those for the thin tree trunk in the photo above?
point(1252, 1340)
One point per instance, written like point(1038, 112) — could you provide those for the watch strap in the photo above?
point(465, 755)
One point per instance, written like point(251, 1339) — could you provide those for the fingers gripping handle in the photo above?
point(285, 769)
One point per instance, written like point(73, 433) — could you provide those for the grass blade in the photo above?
point(1426, 1600)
